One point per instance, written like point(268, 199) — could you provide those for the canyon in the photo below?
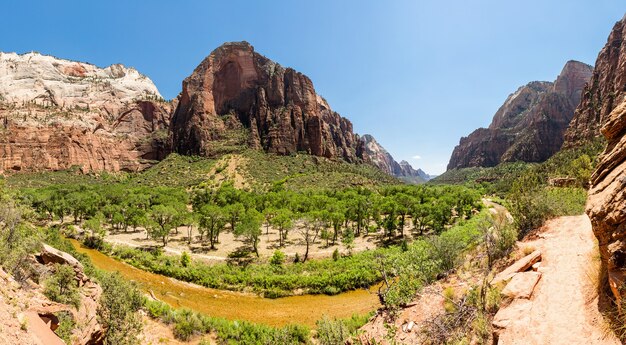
point(529, 126)
point(58, 114)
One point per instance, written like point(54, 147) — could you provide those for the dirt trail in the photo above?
point(564, 306)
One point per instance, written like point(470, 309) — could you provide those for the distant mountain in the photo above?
point(56, 114)
point(377, 155)
point(529, 126)
point(236, 88)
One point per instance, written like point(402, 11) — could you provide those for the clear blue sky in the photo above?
point(416, 74)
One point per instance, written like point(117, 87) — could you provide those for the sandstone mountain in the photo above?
point(236, 88)
point(529, 126)
point(605, 91)
point(604, 107)
point(378, 156)
point(56, 114)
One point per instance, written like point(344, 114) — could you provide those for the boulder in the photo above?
point(50, 255)
point(522, 285)
point(520, 265)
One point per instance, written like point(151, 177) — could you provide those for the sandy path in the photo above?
point(564, 306)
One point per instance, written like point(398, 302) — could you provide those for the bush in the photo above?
point(117, 312)
point(278, 258)
point(331, 332)
point(185, 259)
point(61, 286)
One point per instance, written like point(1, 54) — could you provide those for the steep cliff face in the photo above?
point(606, 89)
point(604, 108)
point(530, 124)
point(607, 199)
point(374, 153)
point(56, 114)
point(278, 105)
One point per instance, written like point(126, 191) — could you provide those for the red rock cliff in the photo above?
point(278, 105)
point(606, 89)
point(604, 108)
point(529, 126)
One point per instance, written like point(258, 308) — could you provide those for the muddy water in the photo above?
point(235, 305)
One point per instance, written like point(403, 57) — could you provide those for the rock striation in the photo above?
point(603, 111)
point(57, 114)
point(235, 86)
point(377, 155)
point(605, 91)
point(607, 199)
point(529, 126)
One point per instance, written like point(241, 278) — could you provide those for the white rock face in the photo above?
point(49, 81)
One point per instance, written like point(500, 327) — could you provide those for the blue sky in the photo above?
point(417, 75)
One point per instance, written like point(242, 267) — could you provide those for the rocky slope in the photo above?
point(605, 91)
point(56, 114)
point(529, 126)
point(235, 87)
point(374, 153)
point(29, 317)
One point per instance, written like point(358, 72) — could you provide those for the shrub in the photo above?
point(185, 259)
point(278, 258)
point(61, 286)
point(117, 312)
point(331, 332)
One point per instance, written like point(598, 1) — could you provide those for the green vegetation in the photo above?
point(338, 331)
point(61, 286)
point(188, 324)
point(533, 200)
point(66, 325)
point(117, 310)
point(302, 171)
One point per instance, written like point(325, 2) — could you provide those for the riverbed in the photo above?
point(305, 309)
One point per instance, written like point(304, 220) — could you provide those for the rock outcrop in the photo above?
point(56, 114)
point(607, 199)
point(603, 110)
point(377, 155)
point(529, 126)
point(605, 91)
point(237, 87)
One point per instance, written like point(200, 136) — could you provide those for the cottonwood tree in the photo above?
point(212, 220)
point(313, 224)
point(249, 227)
point(283, 222)
point(163, 220)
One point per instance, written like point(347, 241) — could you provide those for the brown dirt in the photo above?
point(564, 306)
point(229, 244)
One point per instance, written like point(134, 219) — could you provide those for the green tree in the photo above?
point(283, 221)
point(165, 218)
point(234, 212)
point(212, 220)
